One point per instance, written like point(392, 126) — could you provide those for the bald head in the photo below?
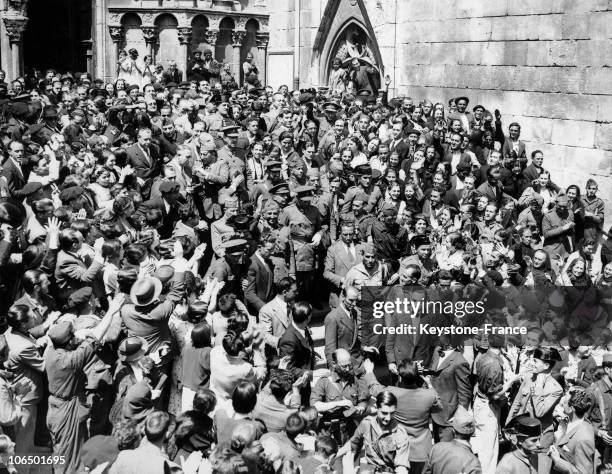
point(342, 356)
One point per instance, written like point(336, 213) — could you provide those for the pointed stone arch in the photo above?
point(340, 17)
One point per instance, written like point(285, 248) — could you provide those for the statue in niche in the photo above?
point(355, 64)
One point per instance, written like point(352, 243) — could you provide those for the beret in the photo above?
point(71, 193)
point(60, 333)
point(168, 187)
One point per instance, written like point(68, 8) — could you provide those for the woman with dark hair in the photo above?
point(196, 364)
point(243, 402)
point(575, 274)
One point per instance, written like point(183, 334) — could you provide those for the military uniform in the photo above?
point(386, 449)
point(208, 190)
point(352, 193)
point(517, 462)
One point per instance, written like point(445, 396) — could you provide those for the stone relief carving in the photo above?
point(15, 28)
point(211, 36)
point(238, 37)
point(149, 33)
point(116, 32)
point(185, 34)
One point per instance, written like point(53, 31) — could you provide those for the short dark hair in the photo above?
point(294, 425)
point(17, 315)
point(204, 400)
point(285, 284)
point(326, 445)
point(581, 401)
point(244, 397)
point(233, 343)
point(201, 335)
point(301, 311)
point(386, 398)
point(156, 425)
point(409, 372)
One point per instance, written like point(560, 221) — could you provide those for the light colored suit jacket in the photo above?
point(274, 319)
point(217, 230)
point(26, 363)
point(339, 261)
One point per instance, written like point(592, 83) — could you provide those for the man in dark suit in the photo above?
point(297, 344)
point(451, 152)
point(342, 328)
point(451, 380)
point(144, 157)
point(168, 205)
point(398, 144)
point(12, 171)
point(260, 287)
point(513, 148)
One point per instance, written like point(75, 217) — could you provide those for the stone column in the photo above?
point(149, 33)
point(117, 34)
point(15, 26)
point(238, 38)
point(262, 40)
point(184, 35)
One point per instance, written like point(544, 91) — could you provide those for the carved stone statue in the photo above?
point(354, 47)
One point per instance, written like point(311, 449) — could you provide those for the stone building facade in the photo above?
point(544, 63)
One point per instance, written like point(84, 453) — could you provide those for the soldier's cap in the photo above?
point(363, 170)
point(331, 107)
point(413, 131)
point(71, 193)
point(61, 333)
point(463, 422)
point(361, 197)
point(168, 187)
point(68, 77)
point(230, 130)
point(240, 222)
point(419, 241)
point(234, 245)
point(270, 205)
point(376, 174)
point(282, 188)
point(98, 92)
point(185, 84)
point(547, 354)
point(171, 85)
point(526, 426)
point(274, 165)
point(476, 107)
point(304, 192)
point(31, 188)
point(457, 99)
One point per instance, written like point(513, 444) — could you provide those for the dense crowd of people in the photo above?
point(168, 246)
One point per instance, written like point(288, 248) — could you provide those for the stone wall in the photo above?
point(546, 64)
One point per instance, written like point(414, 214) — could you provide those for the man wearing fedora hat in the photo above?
point(147, 317)
point(539, 393)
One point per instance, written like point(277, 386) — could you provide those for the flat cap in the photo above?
point(274, 165)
